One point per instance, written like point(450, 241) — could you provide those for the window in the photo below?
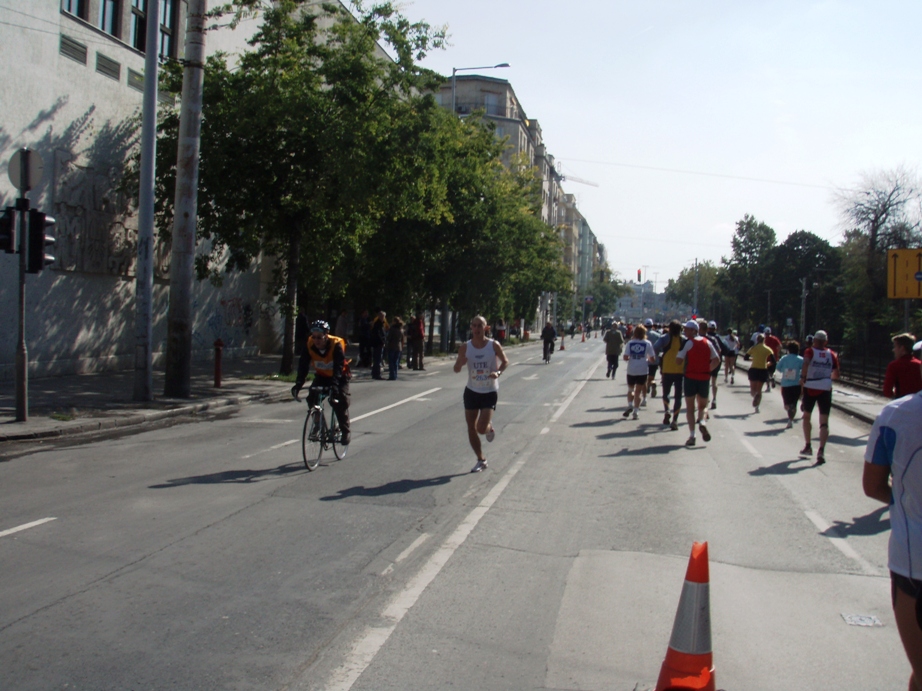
point(108, 16)
point(75, 7)
point(138, 38)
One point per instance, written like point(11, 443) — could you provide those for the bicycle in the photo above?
point(548, 351)
point(318, 434)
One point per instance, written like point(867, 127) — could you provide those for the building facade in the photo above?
point(73, 80)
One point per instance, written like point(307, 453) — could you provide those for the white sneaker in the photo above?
point(491, 433)
point(757, 409)
point(790, 424)
point(643, 404)
point(481, 466)
point(635, 416)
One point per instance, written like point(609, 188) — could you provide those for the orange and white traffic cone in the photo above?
point(584, 337)
point(563, 339)
point(689, 662)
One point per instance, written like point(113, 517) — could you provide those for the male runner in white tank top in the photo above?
point(485, 362)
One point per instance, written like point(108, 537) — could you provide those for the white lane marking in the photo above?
point(750, 447)
point(26, 526)
point(406, 553)
point(394, 405)
point(531, 378)
point(271, 448)
point(374, 638)
point(569, 399)
point(545, 430)
point(840, 543)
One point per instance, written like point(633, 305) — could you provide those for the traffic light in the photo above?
point(8, 230)
point(638, 275)
point(39, 240)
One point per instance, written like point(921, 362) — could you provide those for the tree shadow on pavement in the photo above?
point(396, 487)
point(232, 476)
point(783, 468)
point(872, 524)
point(845, 441)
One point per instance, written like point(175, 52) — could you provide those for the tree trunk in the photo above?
point(291, 294)
point(431, 328)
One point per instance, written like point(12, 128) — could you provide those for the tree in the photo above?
point(682, 289)
point(745, 274)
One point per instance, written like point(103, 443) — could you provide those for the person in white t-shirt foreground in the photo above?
point(639, 355)
point(485, 362)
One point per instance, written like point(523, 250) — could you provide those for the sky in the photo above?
point(690, 114)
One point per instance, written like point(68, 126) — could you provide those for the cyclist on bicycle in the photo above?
point(331, 371)
point(548, 335)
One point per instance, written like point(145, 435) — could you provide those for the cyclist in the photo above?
point(331, 370)
point(548, 335)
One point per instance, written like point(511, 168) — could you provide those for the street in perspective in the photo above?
point(204, 554)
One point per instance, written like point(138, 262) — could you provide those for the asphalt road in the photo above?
point(204, 555)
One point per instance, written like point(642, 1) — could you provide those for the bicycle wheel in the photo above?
point(339, 450)
point(311, 444)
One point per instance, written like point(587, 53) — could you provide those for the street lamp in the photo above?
point(455, 70)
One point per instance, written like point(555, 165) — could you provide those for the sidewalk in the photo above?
point(858, 402)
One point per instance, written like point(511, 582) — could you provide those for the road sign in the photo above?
point(904, 274)
point(22, 161)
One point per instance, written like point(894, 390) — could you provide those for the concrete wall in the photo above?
point(80, 313)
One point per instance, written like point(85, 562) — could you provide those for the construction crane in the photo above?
point(563, 176)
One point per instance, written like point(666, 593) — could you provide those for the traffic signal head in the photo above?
point(638, 275)
point(8, 230)
point(40, 240)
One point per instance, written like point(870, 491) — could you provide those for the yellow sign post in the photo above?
point(904, 274)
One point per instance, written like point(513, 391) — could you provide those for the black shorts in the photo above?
point(651, 370)
point(715, 372)
point(636, 380)
point(697, 387)
point(911, 587)
point(756, 374)
point(790, 395)
point(474, 400)
point(612, 361)
point(824, 401)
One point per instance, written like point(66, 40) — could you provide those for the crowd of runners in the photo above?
point(688, 358)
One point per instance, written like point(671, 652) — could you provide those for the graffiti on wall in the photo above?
point(233, 322)
point(97, 228)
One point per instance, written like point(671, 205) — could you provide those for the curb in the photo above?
point(134, 419)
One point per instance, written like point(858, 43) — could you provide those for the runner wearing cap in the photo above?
point(653, 335)
point(732, 349)
point(821, 367)
point(712, 336)
point(774, 343)
point(700, 358)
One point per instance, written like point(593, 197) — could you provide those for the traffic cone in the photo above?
point(689, 662)
point(584, 337)
point(563, 339)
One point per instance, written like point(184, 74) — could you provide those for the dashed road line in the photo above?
point(26, 526)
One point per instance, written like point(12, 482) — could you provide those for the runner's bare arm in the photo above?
point(461, 360)
point(503, 360)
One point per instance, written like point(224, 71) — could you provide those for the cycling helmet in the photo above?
point(320, 325)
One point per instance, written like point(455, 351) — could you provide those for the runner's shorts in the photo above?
point(670, 380)
point(715, 371)
point(474, 400)
point(652, 370)
point(911, 587)
point(790, 395)
point(697, 387)
point(636, 379)
point(824, 401)
point(758, 374)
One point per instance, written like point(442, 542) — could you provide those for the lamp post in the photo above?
point(455, 70)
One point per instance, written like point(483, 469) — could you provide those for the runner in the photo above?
point(759, 355)
point(732, 349)
point(614, 344)
point(485, 362)
point(719, 347)
point(790, 366)
point(653, 335)
point(700, 358)
point(667, 347)
point(638, 355)
point(821, 366)
point(774, 343)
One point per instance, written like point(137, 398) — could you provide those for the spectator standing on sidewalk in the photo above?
point(790, 366)
point(700, 359)
point(821, 367)
point(377, 341)
point(904, 374)
point(416, 334)
point(893, 475)
point(394, 345)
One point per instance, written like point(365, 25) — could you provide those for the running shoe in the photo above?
point(806, 451)
point(666, 419)
point(653, 390)
point(820, 457)
point(481, 466)
point(643, 403)
point(690, 441)
point(627, 413)
point(635, 416)
point(674, 426)
point(731, 380)
point(790, 424)
point(757, 409)
point(713, 405)
point(704, 432)
point(491, 433)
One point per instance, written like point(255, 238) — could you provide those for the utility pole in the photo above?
point(803, 306)
point(178, 381)
point(143, 377)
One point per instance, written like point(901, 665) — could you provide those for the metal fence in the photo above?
point(865, 368)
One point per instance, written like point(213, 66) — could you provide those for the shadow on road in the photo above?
point(783, 468)
point(396, 487)
point(239, 476)
point(845, 441)
point(596, 423)
point(766, 432)
point(645, 451)
point(872, 524)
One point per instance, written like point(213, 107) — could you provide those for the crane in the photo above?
point(563, 176)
